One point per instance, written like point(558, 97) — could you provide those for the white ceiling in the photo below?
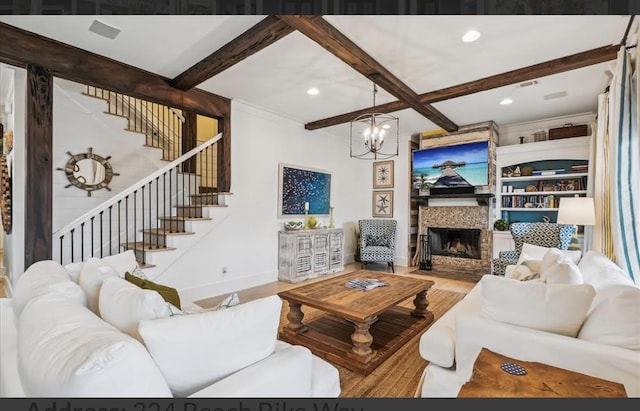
point(425, 52)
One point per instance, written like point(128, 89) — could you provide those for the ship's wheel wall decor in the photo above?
point(88, 171)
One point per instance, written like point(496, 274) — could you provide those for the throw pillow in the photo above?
point(229, 301)
point(614, 318)
point(526, 267)
point(169, 294)
point(44, 277)
point(536, 252)
point(555, 308)
point(377, 240)
point(123, 304)
point(194, 351)
point(94, 272)
point(561, 270)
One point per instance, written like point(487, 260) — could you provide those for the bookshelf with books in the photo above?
point(532, 178)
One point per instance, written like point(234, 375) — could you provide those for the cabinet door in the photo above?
point(304, 248)
point(335, 253)
point(320, 253)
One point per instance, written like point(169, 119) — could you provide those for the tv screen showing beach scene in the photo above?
point(462, 165)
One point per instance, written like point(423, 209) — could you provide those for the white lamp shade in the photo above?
point(577, 211)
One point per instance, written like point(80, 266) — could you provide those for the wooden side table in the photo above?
point(541, 380)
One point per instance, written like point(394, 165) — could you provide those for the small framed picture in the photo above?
point(382, 203)
point(383, 174)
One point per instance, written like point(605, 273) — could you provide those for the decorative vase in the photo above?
point(312, 222)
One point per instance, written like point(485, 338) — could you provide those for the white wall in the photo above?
point(246, 240)
point(79, 122)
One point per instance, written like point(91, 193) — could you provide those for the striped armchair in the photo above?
point(540, 234)
point(377, 241)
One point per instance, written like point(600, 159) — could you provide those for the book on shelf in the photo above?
point(580, 168)
point(366, 283)
point(548, 172)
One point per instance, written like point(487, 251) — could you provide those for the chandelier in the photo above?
point(374, 135)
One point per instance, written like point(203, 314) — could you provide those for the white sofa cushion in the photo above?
point(285, 373)
point(614, 318)
point(94, 272)
point(196, 350)
point(64, 350)
point(555, 308)
point(598, 270)
point(123, 305)
point(44, 277)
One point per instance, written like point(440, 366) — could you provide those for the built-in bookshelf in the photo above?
point(532, 178)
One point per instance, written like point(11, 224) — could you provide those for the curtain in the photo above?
point(615, 170)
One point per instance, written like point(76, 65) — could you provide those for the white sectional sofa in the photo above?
point(54, 342)
point(588, 323)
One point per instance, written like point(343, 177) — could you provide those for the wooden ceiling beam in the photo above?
point(330, 38)
point(547, 68)
point(263, 34)
point(62, 60)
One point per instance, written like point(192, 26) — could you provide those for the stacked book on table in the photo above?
point(366, 283)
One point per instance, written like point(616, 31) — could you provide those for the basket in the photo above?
point(526, 171)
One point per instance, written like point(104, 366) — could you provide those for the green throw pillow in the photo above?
point(169, 294)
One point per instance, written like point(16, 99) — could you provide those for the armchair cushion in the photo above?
point(555, 308)
point(194, 351)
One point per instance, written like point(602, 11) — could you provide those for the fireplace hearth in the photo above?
point(455, 242)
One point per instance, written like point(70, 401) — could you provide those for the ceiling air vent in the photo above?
point(559, 94)
point(104, 29)
point(528, 83)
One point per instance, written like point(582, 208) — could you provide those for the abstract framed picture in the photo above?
point(382, 203)
point(383, 174)
point(299, 186)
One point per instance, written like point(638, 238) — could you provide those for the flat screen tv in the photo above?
point(458, 166)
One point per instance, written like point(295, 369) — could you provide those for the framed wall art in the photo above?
point(383, 174)
point(302, 185)
point(383, 203)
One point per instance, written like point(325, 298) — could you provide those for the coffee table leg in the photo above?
point(421, 304)
point(295, 316)
point(361, 339)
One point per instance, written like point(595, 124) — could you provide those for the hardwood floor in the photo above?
point(399, 375)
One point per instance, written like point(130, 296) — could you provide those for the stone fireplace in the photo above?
point(455, 242)
point(459, 224)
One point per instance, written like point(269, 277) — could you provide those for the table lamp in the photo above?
point(577, 211)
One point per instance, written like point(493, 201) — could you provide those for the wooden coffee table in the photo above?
point(381, 327)
point(541, 380)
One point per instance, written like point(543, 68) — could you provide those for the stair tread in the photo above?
point(166, 232)
point(176, 218)
point(139, 246)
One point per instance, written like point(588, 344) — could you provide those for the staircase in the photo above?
point(158, 212)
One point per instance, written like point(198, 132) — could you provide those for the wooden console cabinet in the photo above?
point(307, 254)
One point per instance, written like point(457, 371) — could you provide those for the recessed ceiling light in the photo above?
point(506, 101)
point(104, 29)
point(313, 91)
point(471, 35)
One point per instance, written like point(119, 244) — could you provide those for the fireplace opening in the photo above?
point(455, 242)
